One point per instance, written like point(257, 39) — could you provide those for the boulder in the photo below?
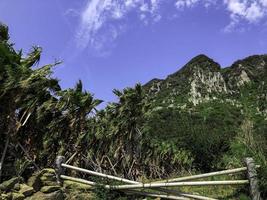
point(49, 189)
point(48, 179)
point(76, 186)
point(17, 196)
point(48, 176)
point(48, 170)
point(9, 184)
point(16, 187)
point(50, 183)
point(7, 196)
point(35, 182)
point(57, 195)
point(26, 190)
point(45, 177)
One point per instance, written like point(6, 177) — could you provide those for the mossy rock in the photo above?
point(57, 195)
point(48, 171)
point(35, 181)
point(3, 196)
point(49, 189)
point(49, 183)
point(17, 196)
point(79, 196)
point(9, 184)
point(16, 187)
point(47, 178)
point(26, 190)
point(42, 178)
point(7, 196)
point(76, 186)
point(48, 175)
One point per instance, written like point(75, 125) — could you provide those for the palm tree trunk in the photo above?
point(3, 157)
point(28, 156)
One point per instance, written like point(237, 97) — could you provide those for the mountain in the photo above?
point(203, 80)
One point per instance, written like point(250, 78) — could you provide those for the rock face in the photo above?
point(203, 80)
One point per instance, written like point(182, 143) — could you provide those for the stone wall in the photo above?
point(42, 186)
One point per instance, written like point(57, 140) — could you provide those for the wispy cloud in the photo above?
point(100, 20)
point(98, 12)
point(181, 4)
point(251, 11)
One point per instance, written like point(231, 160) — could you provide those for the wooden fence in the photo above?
point(160, 187)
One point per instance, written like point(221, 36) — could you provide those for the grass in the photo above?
point(218, 192)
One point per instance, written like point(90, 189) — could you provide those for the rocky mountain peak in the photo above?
point(199, 65)
point(202, 62)
point(203, 80)
point(250, 69)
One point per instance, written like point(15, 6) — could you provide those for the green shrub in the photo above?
point(204, 133)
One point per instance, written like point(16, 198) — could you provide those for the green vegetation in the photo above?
point(199, 119)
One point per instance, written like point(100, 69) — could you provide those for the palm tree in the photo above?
point(3, 32)
point(77, 106)
point(22, 89)
point(121, 124)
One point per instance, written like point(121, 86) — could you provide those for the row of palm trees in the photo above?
point(35, 113)
point(43, 121)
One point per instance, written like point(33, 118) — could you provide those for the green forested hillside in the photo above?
point(201, 118)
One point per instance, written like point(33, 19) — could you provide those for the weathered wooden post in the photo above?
point(59, 169)
point(253, 181)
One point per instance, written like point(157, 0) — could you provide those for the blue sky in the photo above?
point(117, 43)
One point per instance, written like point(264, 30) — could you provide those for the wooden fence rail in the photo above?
point(125, 181)
point(133, 186)
point(98, 174)
point(206, 175)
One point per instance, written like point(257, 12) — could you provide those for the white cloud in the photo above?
point(251, 11)
point(144, 7)
point(155, 5)
point(254, 12)
point(97, 14)
point(236, 7)
point(180, 4)
point(263, 2)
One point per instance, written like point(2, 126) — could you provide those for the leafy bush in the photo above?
point(204, 133)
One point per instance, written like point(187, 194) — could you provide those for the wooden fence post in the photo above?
point(253, 181)
point(59, 169)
